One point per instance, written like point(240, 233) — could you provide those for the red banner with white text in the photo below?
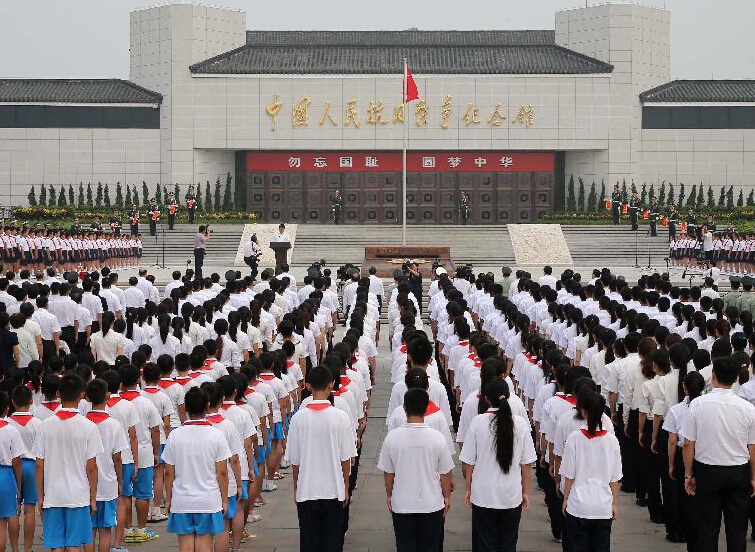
point(390, 161)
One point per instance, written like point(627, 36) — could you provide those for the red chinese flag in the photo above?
point(645, 214)
point(625, 208)
point(410, 87)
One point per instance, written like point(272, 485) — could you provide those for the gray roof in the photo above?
point(382, 52)
point(702, 91)
point(115, 91)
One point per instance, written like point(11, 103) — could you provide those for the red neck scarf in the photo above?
point(51, 405)
point(152, 390)
point(129, 395)
point(183, 380)
point(112, 401)
point(215, 418)
point(164, 383)
point(431, 408)
point(597, 433)
point(318, 406)
point(267, 377)
point(196, 423)
point(66, 414)
point(21, 418)
point(3, 423)
point(227, 405)
point(97, 416)
point(571, 399)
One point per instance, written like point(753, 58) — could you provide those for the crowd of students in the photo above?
point(76, 249)
point(119, 407)
point(123, 406)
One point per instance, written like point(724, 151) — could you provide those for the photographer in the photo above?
point(200, 243)
point(252, 254)
point(414, 278)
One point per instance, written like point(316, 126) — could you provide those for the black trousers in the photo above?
point(630, 452)
point(191, 215)
point(651, 468)
point(554, 502)
point(586, 535)
point(152, 228)
point(668, 487)
point(251, 262)
point(687, 511)
point(69, 336)
point(48, 351)
point(722, 490)
point(171, 221)
point(320, 524)
point(198, 262)
point(419, 532)
point(653, 228)
point(495, 530)
point(633, 220)
point(615, 215)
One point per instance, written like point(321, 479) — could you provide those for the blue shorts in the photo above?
point(67, 527)
point(245, 488)
point(196, 524)
point(278, 434)
point(160, 460)
point(28, 481)
point(105, 516)
point(256, 469)
point(261, 453)
point(232, 502)
point(142, 486)
point(9, 494)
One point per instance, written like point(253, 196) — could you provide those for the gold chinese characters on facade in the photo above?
point(372, 113)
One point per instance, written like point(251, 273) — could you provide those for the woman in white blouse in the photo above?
point(497, 454)
point(106, 344)
point(228, 352)
point(163, 343)
point(250, 323)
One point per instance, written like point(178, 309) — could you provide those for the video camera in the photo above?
point(315, 269)
point(344, 272)
point(465, 272)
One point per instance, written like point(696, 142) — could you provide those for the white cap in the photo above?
point(440, 270)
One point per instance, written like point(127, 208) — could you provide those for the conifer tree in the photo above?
point(43, 195)
point(207, 198)
point(581, 196)
point(740, 199)
point(145, 193)
point(700, 197)
point(217, 205)
point(118, 195)
point(662, 194)
point(228, 199)
point(53, 197)
point(751, 198)
point(722, 197)
point(98, 197)
point(730, 198)
point(592, 203)
point(32, 197)
point(106, 198)
point(80, 198)
point(71, 201)
point(62, 197)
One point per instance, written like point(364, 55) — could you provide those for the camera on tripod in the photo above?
point(344, 272)
point(315, 269)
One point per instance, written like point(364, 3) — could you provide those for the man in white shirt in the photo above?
point(133, 296)
point(320, 448)
point(281, 235)
point(170, 286)
point(719, 445)
point(286, 273)
point(50, 329)
point(376, 286)
point(416, 465)
point(548, 279)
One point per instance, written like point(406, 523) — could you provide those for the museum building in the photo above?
point(506, 116)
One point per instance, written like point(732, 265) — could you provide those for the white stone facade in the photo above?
point(595, 119)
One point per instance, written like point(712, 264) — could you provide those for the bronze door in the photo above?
point(505, 192)
point(352, 191)
point(256, 195)
point(448, 193)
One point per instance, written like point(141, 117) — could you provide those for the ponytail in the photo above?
point(221, 328)
point(178, 327)
point(131, 315)
point(233, 324)
point(502, 424)
point(695, 384)
point(594, 405)
point(164, 325)
point(107, 321)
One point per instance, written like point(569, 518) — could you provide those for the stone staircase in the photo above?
point(480, 245)
point(605, 245)
point(179, 245)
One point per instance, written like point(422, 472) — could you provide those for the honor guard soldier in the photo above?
point(654, 214)
point(133, 216)
point(672, 217)
point(96, 227)
point(115, 223)
point(170, 202)
point(711, 224)
point(191, 203)
point(336, 201)
point(154, 216)
point(616, 201)
point(76, 226)
point(691, 224)
point(634, 208)
point(464, 207)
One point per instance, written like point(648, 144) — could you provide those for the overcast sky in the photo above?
point(90, 38)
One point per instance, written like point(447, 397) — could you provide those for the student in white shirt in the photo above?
point(591, 466)
point(683, 508)
point(12, 449)
point(417, 469)
point(196, 477)
point(107, 344)
point(497, 454)
point(109, 465)
point(320, 448)
point(719, 434)
point(66, 448)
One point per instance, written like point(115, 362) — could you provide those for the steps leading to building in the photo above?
point(607, 245)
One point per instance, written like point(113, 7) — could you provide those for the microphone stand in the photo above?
point(636, 250)
point(647, 242)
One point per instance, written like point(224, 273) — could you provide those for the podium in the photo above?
point(281, 255)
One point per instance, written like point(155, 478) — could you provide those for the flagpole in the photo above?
point(403, 160)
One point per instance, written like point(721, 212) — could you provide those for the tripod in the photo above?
point(647, 243)
point(636, 249)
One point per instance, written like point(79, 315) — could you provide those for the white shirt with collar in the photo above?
point(65, 310)
point(320, 438)
point(722, 426)
point(281, 237)
point(134, 297)
point(48, 323)
point(417, 455)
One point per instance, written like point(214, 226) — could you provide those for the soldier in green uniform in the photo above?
point(732, 298)
point(747, 299)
